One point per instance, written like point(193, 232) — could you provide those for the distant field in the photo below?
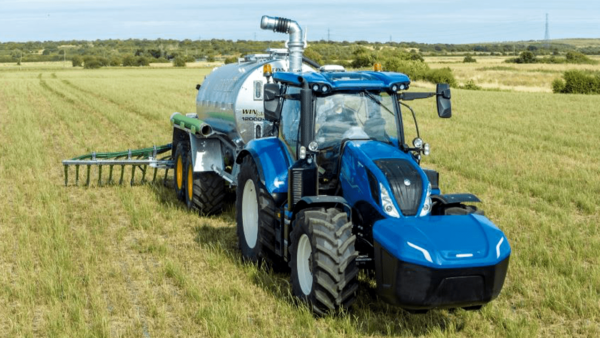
point(580, 42)
point(493, 73)
point(132, 262)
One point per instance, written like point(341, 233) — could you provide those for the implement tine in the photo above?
point(122, 173)
point(100, 175)
point(110, 170)
point(77, 175)
point(132, 174)
point(89, 168)
point(154, 154)
point(165, 179)
point(67, 175)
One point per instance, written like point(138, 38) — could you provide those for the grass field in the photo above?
point(132, 262)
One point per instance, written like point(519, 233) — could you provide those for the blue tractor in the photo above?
point(326, 183)
point(339, 190)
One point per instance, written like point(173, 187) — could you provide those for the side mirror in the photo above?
point(272, 103)
point(443, 100)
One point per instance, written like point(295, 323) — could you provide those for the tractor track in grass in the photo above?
point(127, 259)
point(36, 143)
point(62, 118)
point(57, 131)
point(125, 256)
point(135, 111)
point(109, 125)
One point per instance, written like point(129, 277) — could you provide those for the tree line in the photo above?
point(165, 50)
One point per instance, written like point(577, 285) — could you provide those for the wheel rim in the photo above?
point(303, 268)
point(179, 172)
point(250, 214)
point(190, 182)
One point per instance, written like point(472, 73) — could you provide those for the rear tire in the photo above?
point(204, 192)
point(179, 176)
point(323, 260)
point(256, 218)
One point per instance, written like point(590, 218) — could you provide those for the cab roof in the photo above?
point(346, 80)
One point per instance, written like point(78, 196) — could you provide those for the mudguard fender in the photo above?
point(323, 201)
point(272, 160)
point(456, 198)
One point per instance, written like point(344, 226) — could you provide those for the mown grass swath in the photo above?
point(131, 261)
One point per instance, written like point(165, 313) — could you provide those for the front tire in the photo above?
point(323, 260)
point(256, 217)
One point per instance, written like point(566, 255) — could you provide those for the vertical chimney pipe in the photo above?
point(295, 44)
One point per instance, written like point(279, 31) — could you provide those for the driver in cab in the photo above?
point(333, 109)
point(336, 121)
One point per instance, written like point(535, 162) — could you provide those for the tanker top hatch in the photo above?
point(273, 54)
point(278, 53)
point(257, 57)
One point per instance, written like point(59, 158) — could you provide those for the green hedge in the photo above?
point(469, 59)
point(417, 70)
point(179, 62)
point(577, 82)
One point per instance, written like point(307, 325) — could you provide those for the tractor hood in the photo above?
point(395, 170)
point(451, 241)
point(443, 241)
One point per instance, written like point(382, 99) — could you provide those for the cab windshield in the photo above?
point(358, 116)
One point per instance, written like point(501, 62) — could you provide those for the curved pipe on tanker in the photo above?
point(295, 44)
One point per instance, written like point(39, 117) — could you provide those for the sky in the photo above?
point(425, 21)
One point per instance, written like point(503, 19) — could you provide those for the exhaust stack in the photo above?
point(295, 44)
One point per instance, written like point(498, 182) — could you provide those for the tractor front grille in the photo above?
point(406, 184)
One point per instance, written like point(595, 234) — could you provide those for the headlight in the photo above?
point(387, 203)
point(418, 143)
point(426, 149)
point(427, 205)
point(302, 154)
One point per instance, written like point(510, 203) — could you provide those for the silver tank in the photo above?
point(231, 96)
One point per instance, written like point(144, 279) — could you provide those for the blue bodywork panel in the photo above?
point(273, 160)
point(346, 80)
point(433, 241)
point(443, 241)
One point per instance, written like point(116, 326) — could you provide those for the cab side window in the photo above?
point(290, 121)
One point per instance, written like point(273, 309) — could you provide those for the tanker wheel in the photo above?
point(256, 218)
point(204, 192)
point(179, 176)
point(323, 260)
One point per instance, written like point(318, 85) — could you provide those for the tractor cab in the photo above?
point(339, 107)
